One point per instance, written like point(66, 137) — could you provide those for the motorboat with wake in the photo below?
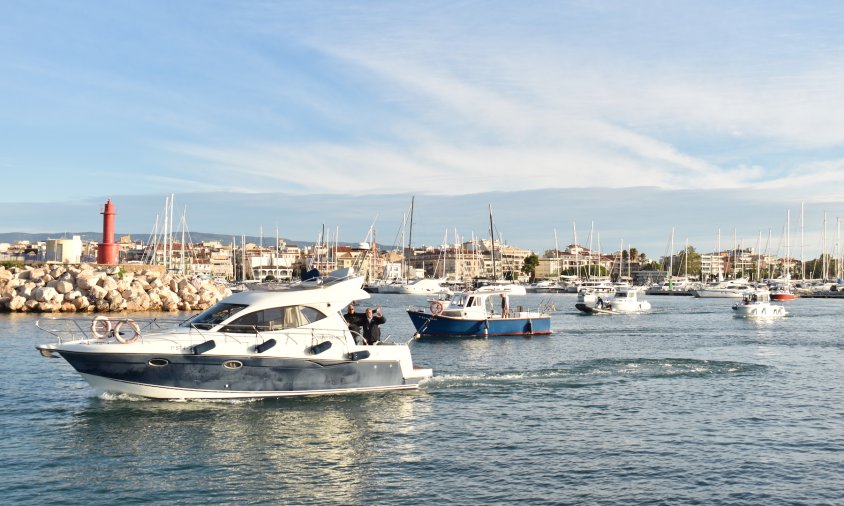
point(758, 305)
point(252, 344)
point(473, 314)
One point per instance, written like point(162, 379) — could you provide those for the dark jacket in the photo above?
point(353, 320)
point(371, 329)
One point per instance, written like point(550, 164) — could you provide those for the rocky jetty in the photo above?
point(92, 288)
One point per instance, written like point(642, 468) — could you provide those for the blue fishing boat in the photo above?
point(481, 313)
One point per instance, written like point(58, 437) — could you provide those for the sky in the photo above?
point(640, 117)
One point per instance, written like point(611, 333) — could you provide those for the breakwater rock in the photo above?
point(91, 288)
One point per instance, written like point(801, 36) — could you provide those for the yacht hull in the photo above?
point(587, 309)
point(719, 294)
point(759, 311)
point(181, 376)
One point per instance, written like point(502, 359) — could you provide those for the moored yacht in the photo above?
point(624, 302)
point(590, 291)
point(425, 286)
point(734, 289)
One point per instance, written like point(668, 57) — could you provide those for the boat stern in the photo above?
point(418, 374)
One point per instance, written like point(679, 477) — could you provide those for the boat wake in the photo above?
point(591, 372)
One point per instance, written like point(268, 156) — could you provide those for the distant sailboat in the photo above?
point(785, 292)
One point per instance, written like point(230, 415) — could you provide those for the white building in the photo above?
point(68, 251)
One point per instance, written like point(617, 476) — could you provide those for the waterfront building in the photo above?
point(468, 260)
point(740, 263)
point(64, 250)
point(574, 259)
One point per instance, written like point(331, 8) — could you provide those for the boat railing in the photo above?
point(129, 330)
point(80, 329)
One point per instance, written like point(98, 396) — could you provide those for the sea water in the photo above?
point(684, 405)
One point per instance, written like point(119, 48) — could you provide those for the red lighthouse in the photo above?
point(107, 249)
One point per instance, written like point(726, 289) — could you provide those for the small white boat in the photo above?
point(758, 305)
point(252, 344)
point(627, 301)
point(624, 302)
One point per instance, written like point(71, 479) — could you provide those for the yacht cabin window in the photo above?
point(277, 318)
point(216, 314)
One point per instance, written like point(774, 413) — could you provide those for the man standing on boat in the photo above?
point(505, 305)
point(371, 325)
point(353, 320)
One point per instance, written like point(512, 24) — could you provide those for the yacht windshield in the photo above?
point(216, 314)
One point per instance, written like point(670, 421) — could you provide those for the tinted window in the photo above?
point(214, 315)
point(277, 318)
point(312, 314)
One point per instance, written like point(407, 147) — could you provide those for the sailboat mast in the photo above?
point(787, 267)
point(589, 259)
point(735, 254)
point(172, 204)
point(557, 253)
point(410, 236)
point(183, 225)
point(165, 234)
point(576, 253)
point(825, 262)
point(242, 257)
point(492, 239)
point(802, 264)
point(671, 257)
point(768, 243)
point(838, 248)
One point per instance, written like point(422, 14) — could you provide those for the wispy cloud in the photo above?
point(440, 97)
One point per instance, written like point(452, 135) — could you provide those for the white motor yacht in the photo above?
point(293, 342)
point(758, 305)
point(624, 302)
point(733, 289)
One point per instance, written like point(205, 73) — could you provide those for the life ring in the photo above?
point(101, 327)
point(436, 307)
point(136, 331)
